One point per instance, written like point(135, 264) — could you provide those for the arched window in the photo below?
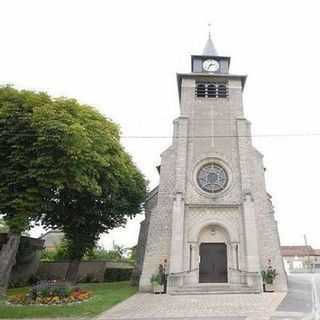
point(212, 90)
point(222, 91)
point(201, 90)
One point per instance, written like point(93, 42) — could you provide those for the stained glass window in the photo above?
point(212, 178)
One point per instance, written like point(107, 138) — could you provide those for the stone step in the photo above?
point(213, 289)
point(190, 293)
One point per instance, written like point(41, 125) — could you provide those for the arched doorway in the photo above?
point(213, 254)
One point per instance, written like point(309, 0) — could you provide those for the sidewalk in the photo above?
point(224, 307)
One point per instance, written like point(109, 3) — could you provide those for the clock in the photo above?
point(212, 178)
point(210, 65)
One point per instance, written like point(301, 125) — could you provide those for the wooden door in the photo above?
point(213, 263)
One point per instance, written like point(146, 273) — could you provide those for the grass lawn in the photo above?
point(105, 295)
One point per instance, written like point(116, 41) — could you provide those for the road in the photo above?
point(303, 299)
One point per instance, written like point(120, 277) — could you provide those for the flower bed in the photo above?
point(50, 293)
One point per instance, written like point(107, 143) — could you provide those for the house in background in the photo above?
point(301, 258)
point(52, 239)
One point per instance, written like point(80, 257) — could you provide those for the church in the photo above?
point(210, 221)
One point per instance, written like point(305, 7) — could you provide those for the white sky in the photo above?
point(122, 56)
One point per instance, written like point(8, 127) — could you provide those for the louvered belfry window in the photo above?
point(201, 90)
point(212, 89)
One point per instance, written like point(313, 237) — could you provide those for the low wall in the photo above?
point(304, 270)
point(93, 269)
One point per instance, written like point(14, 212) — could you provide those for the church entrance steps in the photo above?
point(213, 289)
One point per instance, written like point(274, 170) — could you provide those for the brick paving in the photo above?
point(229, 306)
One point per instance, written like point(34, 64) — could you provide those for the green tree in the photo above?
point(59, 253)
point(116, 254)
point(3, 226)
point(20, 197)
point(63, 165)
point(132, 254)
point(99, 186)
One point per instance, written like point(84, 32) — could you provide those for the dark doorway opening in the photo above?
point(213, 263)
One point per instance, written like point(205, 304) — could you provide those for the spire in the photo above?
point(209, 49)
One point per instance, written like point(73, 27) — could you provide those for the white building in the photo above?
point(52, 239)
point(210, 219)
point(301, 258)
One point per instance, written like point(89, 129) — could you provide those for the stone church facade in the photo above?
point(210, 219)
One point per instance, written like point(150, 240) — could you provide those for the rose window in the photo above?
point(212, 178)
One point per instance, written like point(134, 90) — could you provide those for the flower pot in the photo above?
point(269, 287)
point(157, 288)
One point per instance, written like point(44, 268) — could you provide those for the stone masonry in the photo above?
point(181, 215)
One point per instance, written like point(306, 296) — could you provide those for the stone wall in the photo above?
point(159, 231)
point(269, 241)
point(253, 184)
point(27, 259)
point(150, 204)
point(211, 130)
point(94, 269)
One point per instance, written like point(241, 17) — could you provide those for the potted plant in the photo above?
point(156, 284)
point(268, 277)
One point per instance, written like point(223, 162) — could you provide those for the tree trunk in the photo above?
point(8, 260)
point(72, 272)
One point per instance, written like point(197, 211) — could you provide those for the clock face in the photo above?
point(210, 65)
point(212, 178)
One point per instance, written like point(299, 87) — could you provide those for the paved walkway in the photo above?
point(145, 306)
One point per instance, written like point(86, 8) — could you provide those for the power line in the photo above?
point(315, 134)
point(22, 117)
point(163, 118)
point(272, 135)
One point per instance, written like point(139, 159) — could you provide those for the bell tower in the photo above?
point(209, 61)
point(210, 220)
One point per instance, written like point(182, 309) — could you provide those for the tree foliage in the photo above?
point(63, 164)
point(59, 253)
point(117, 253)
point(20, 195)
point(3, 226)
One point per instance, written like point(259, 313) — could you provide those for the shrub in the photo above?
point(60, 253)
point(269, 275)
point(47, 289)
point(117, 254)
point(155, 279)
point(117, 274)
point(17, 283)
point(33, 280)
point(88, 278)
point(23, 282)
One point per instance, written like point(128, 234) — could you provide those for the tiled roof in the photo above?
point(299, 251)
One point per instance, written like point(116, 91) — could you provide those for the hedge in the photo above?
point(117, 274)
